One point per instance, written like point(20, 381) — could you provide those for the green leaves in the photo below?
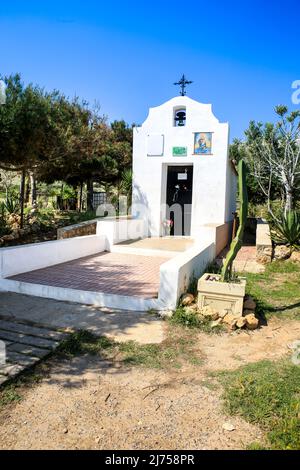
point(281, 110)
point(286, 231)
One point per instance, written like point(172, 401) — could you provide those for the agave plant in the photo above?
point(286, 231)
point(11, 204)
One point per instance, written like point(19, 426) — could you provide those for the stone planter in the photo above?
point(221, 296)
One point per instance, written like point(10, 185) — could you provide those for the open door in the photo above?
point(180, 191)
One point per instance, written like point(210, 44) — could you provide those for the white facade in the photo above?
point(214, 178)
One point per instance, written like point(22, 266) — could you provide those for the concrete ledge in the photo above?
point(264, 247)
point(144, 252)
point(98, 299)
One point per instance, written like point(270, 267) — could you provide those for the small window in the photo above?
point(180, 117)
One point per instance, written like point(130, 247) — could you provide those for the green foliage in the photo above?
point(54, 138)
point(261, 210)
point(183, 317)
point(126, 181)
point(3, 224)
point(12, 392)
point(271, 152)
point(267, 393)
point(11, 204)
point(243, 212)
point(171, 353)
point(238, 152)
point(277, 290)
point(84, 342)
point(9, 395)
point(286, 231)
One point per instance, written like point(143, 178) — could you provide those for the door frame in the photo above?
point(164, 189)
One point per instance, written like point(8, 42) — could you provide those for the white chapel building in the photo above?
point(183, 179)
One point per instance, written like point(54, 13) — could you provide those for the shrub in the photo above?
point(12, 204)
point(286, 231)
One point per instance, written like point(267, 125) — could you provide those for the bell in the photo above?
point(180, 118)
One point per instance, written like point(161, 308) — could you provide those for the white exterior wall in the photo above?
point(119, 230)
point(213, 185)
point(24, 258)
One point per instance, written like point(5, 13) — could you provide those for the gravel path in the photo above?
point(92, 405)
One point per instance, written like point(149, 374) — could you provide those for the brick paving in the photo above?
point(25, 346)
point(112, 273)
point(245, 260)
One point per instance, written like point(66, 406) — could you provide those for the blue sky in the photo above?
point(242, 56)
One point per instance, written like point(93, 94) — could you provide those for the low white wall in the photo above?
point(98, 299)
point(263, 236)
point(25, 258)
point(120, 230)
point(177, 274)
point(219, 234)
point(264, 247)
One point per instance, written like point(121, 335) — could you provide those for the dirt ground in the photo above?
point(92, 404)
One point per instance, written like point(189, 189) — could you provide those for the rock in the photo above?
point(223, 313)
point(216, 323)
point(249, 304)
point(187, 299)
point(230, 320)
point(282, 252)
point(295, 256)
point(247, 312)
point(241, 322)
point(228, 427)
point(8, 238)
point(264, 254)
point(251, 321)
point(65, 431)
point(210, 312)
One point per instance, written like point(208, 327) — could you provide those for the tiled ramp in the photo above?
point(25, 346)
point(111, 273)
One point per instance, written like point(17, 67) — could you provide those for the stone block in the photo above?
point(221, 296)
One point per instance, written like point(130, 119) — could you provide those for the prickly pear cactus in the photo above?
point(243, 213)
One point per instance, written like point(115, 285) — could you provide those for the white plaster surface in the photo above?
point(214, 180)
point(25, 258)
point(177, 273)
point(119, 230)
point(98, 299)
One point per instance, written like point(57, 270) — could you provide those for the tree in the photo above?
point(38, 130)
point(238, 152)
point(47, 137)
point(273, 155)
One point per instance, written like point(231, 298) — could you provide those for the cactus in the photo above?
point(243, 213)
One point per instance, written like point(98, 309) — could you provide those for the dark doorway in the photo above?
point(180, 192)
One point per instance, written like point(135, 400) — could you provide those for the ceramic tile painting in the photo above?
point(203, 143)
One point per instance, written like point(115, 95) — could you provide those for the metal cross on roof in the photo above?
point(183, 82)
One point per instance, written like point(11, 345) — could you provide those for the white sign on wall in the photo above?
point(155, 145)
